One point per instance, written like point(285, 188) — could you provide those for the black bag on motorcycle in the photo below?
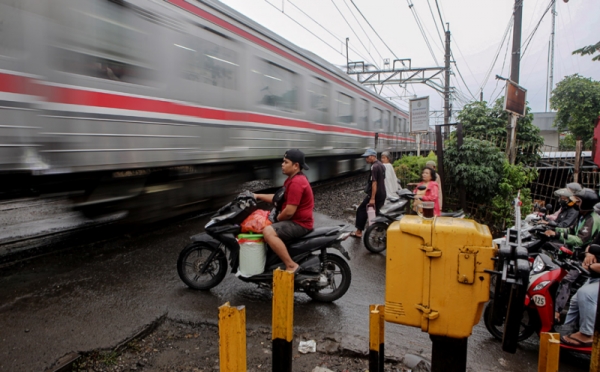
point(242, 207)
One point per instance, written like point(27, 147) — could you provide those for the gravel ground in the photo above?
point(182, 347)
point(175, 346)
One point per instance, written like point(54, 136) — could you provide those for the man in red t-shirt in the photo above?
point(296, 217)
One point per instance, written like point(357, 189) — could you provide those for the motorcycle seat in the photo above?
point(320, 231)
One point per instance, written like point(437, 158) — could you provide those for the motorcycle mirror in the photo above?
point(422, 187)
point(549, 208)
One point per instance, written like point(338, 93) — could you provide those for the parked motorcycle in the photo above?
point(547, 271)
point(324, 276)
point(376, 234)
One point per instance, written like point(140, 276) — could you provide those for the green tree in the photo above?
point(408, 168)
point(477, 167)
point(481, 121)
point(567, 143)
point(514, 178)
point(577, 102)
point(590, 49)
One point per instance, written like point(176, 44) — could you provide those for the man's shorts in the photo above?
point(288, 230)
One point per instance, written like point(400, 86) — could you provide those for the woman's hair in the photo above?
point(432, 172)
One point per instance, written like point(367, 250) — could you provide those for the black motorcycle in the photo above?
point(394, 209)
point(324, 276)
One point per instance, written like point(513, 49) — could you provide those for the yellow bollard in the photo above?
point(283, 320)
point(549, 352)
point(232, 338)
point(376, 337)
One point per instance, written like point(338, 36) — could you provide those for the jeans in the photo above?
point(583, 307)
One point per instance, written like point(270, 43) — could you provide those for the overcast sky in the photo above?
point(477, 27)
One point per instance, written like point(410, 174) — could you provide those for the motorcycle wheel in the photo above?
point(375, 237)
point(191, 260)
point(525, 331)
point(339, 276)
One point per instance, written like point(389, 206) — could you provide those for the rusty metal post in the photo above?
point(283, 320)
point(232, 338)
point(439, 143)
point(578, 148)
point(462, 194)
point(549, 352)
point(376, 338)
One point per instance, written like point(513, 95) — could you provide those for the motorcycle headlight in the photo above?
point(541, 285)
point(538, 265)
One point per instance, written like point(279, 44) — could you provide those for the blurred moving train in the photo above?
point(124, 99)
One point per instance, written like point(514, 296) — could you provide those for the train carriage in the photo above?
point(123, 97)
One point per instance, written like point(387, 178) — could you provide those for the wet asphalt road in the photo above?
point(98, 295)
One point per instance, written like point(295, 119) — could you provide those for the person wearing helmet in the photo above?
point(579, 235)
point(573, 188)
point(568, 212)
point(585, 228)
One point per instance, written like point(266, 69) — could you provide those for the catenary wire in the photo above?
point(530, 37)
point(352, 29)
point(312, 33)
point(363, 30)
point(411, 7)
point(325, 28)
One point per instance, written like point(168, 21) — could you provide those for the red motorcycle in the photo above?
point(547, 271)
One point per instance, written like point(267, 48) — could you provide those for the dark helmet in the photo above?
point(588, 198)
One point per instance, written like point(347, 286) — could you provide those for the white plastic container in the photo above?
point(371, 214)
point(253, 254)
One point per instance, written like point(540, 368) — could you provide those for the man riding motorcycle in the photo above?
point(579, 235)
point(586, 226)
point(568, 210)
point(296, 217)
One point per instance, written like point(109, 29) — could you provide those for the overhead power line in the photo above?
point(504, 38)
point(435, 24)
point(325, 28)
point(352, 29)
point(312, 33)
point(375, 31)
point(530, 37)
point(414, 12)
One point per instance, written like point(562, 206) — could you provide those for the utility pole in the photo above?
point(447, 110)
point(514, 76)
point(551, 59)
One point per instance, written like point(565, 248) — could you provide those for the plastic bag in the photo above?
point(256, 222)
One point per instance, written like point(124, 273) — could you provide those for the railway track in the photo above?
point(34, 227)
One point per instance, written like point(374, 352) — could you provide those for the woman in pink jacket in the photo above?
point(431, 193)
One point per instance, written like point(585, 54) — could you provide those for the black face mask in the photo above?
point(564, 204)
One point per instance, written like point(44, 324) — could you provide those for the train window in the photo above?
point(386, 121)
point(278, 86)
point(345, 108)
point(318, 100)
point(377, 120)
point(208, 63)
point(101, 67)
point(363, 114)
point(101, 39)
point(11, 28)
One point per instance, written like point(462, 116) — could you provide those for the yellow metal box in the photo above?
point(435, 275)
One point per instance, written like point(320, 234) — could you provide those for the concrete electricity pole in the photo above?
point(514, 76)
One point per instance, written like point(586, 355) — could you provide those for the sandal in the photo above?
point(573, 342)
point(354, 235)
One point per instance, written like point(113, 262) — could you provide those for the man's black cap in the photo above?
point(296, 156)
